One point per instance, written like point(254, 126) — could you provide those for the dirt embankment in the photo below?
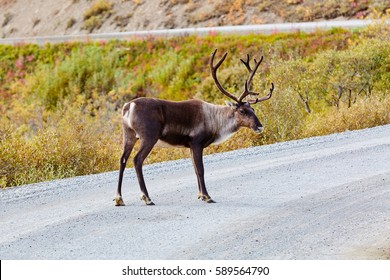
point(24, 18)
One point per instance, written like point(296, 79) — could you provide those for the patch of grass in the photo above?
point(7, 18)
point(94, 22)
point(98, 8)
point(366, 112)
point(122, 21)
point(93, 17)
point(67, 146)
point(70, 23)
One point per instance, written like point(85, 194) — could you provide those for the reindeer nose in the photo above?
point(260, 129)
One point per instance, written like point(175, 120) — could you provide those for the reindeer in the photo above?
point(193, 124)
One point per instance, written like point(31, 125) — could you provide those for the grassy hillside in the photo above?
point(60, 104)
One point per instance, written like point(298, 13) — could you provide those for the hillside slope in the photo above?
point(23, 18)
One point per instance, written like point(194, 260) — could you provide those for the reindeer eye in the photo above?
point(242, 111)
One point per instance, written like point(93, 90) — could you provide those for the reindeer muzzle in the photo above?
point(259, 129)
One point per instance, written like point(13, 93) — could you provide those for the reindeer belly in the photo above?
point(173, 140)
point(163, 144)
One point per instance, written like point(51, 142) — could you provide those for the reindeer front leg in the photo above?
point(197, 160)
point(144, 150)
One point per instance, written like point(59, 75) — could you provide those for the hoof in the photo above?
point(119, 201)
point(147, 200)
point(205, 198)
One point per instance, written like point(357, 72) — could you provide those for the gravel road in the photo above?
point(199, 31)
point(317, 198)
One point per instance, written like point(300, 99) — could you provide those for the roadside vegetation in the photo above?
point(60, 104)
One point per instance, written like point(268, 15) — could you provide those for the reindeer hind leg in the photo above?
point(145, 148)
point(129, 139)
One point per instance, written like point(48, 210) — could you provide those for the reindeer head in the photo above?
point(244, 114)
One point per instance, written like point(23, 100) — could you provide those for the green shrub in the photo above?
point(85, 72)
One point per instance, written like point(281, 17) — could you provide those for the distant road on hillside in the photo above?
point(166, 33)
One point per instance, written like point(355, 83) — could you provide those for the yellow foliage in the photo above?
point(365, 113)
point(98, 7)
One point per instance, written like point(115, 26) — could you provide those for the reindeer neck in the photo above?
point(220, 120)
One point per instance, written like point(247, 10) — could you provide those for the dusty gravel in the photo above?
point(317, 198)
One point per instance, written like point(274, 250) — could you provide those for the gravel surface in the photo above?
point(317, 198)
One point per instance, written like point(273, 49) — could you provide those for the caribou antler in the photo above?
point(268, 96)
point(214, 74)
point(248, 82)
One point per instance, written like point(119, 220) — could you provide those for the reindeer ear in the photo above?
point(231, 105)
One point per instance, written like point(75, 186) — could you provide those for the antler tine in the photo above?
point(246, 63)
point(268, 96)
point(248, 82)
point(214, 75)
